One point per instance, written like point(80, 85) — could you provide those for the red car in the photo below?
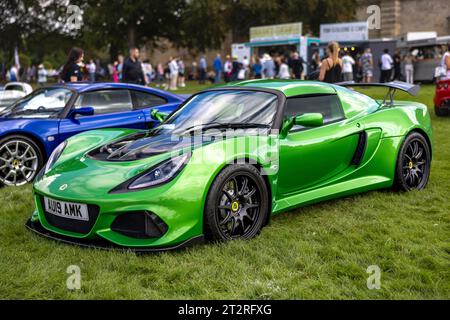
point(442, 98)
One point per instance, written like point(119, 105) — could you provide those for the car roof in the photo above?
point(90, 86)
point(289, 87)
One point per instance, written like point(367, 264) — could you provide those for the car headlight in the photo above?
point(160, 174)
point(54, 156)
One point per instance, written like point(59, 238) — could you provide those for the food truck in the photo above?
point(281, 40)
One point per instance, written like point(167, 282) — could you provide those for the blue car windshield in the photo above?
point(224, 107)
point(42, 103)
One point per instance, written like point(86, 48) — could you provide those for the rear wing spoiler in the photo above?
point(392, 86)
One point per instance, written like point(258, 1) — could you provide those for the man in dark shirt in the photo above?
point(296, 65)
point(132, 69)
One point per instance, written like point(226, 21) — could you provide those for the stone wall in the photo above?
point(401, 16)
point(165, 50)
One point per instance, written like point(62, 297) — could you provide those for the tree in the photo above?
point(205, 23)
point(22, 19)
point(119, 24)
point(40, 27)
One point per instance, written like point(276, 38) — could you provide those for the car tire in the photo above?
point(440, 112)
point(20, 160)
point(237, 205)
point(413, 163)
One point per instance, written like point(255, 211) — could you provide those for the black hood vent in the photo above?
point(144, 145)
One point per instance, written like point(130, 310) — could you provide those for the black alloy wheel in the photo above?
point(237, 204)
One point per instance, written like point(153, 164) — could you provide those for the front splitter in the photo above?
point(101, 244)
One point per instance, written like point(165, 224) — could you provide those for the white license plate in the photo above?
point(75, 211)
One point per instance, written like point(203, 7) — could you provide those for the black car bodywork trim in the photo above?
point(103, 244)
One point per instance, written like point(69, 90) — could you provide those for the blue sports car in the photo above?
point(35, 125)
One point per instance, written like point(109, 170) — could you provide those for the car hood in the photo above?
point(116, 155)
point(88, 174)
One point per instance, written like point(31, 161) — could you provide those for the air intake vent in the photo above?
point(360, 149)
point(139, 225)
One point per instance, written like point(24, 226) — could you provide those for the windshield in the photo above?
point(42, 103)
point(12, 87)
point(224, 108)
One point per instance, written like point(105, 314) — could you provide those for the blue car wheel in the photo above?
point(20, 160)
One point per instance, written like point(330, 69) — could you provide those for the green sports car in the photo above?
point(228, 159)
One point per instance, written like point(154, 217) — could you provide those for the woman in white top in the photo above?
point(173, 67)
point(409, 68)
point(445, 63)
point(284, 70)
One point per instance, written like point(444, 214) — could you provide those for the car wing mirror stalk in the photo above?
point(309, 120)
point(286, 127)
point(158, 115)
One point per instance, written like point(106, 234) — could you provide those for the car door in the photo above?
point(147, 101)
point(113, 108)
point(311, 156)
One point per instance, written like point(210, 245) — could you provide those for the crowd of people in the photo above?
point(174, 73)
point(360, 66)
point(337, 65)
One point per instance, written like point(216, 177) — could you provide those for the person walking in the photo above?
point(366, 65)
point(283, 72)
point(347, 67)
point(246, 66)
point(42, 75)
point(91, 68)
point(268, 67)
point(241, 73)
point(132, 71)
point(148, 71)
point(236, 67)
point(173, 73)
point(227, 69)
point(397, 65)
point(119, 67)
point(257, 68)
point(71, 71)
point(13, 73)
point(166, 85)
point(296, 65)
point(159, 75)
point(181, 73)
point(315, 61)
point(115, 75)
point(32, 73)
point(409, 68)
point(218, 67)
point(203, 67)
point(331, 68)
point(386, 63)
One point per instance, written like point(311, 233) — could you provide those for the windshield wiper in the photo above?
point(217, 125)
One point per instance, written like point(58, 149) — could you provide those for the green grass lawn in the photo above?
point(316, 252)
